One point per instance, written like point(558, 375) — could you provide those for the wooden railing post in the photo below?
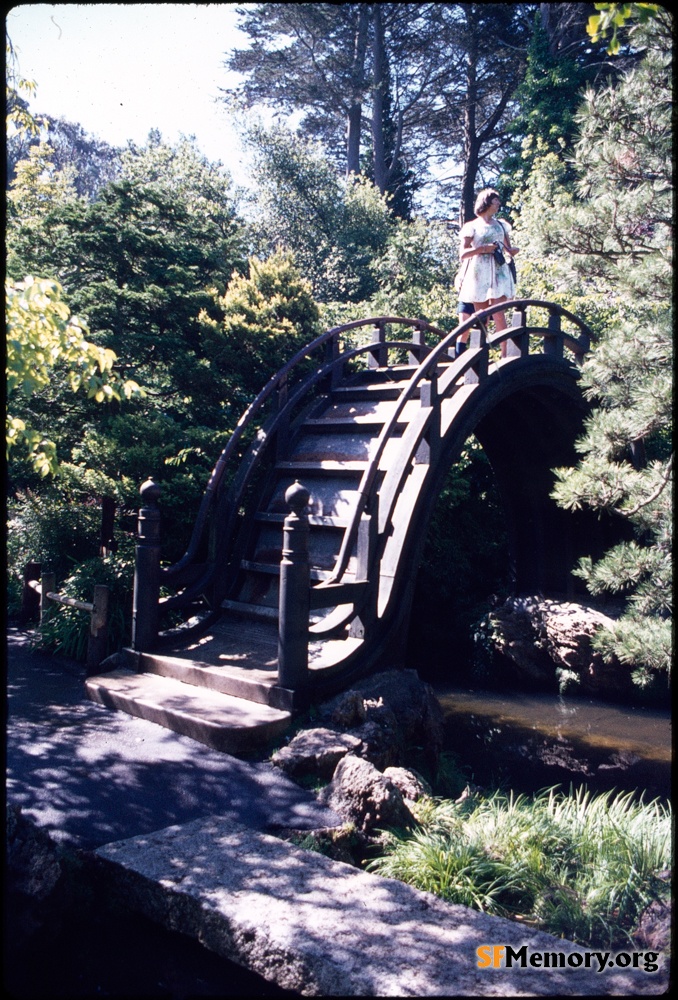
point(47, 586)
point(417, 355)
point(294, 600)
point(98, 628)
point(553, 341)
point(30, 600)
point(428, 397)
point(147, 571)
point(282, 439)
point(477, 338)
point(331, 355)
point(518, 346)
point(379, 357)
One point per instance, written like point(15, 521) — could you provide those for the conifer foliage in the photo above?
point(617, 228)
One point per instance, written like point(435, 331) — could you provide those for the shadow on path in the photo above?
point(89, 775)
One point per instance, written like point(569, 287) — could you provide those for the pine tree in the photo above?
point(612, 234)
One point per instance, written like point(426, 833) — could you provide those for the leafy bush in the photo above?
point(580, 866)
point(66, 629)
point(47, 529)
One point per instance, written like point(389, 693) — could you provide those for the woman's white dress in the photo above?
point(482, 278)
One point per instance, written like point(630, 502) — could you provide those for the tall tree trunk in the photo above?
point(355, 113)
point(355, 116)
point(378, 85)
point(471, 144)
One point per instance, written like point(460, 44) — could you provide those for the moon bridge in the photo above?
point(357, 432)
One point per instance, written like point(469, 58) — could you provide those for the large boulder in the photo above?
point(315, 752)
point(654, 927)
point(411, 785)
point(363, 796)
point(548, 642)
point(33, 863)
point(379, 720)
point(398, 711)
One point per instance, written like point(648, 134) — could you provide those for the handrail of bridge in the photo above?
point(578, 345)
point(276, 382)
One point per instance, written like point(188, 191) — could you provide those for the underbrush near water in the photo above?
point(579, 866)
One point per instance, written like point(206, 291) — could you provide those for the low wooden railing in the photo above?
point(97, 640)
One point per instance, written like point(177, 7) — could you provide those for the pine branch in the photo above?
point(653, 496)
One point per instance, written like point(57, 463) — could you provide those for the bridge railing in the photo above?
point(469, 367)
point(267, 427)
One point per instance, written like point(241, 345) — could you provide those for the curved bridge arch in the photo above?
point(369, 418)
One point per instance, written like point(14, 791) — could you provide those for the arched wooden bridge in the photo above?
point(367, 420)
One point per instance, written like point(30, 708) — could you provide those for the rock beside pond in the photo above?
point(363, 796)
point(548, 642)
point(654, 928)
point(419, 718)
point(315, 752)
point(411, 785)
point(378, 720)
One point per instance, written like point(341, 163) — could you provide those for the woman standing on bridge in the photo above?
point(485, 282)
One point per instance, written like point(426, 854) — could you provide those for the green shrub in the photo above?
point(579, 866)
point(47, 529)
point(66, 629)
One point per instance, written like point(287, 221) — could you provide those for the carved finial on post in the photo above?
point(147, 570)
point(294, 601)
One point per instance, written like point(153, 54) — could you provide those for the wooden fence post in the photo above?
point(98, 629)
point(30, 600)
point(48, 586)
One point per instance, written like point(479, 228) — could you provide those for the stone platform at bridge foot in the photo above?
point(321, 928)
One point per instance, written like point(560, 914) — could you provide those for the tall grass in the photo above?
point(579, 866)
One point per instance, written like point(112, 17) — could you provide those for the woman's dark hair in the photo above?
point(484, 200)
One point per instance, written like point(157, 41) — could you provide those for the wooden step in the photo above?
point(315, 520)
point(218, 720)
point(369, 411)
point(338, 445)
point(323, 467)
point(273, 569)
point(380, 390)
point(253, 612)
point(332, 425)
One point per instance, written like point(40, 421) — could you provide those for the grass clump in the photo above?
point(579, 866)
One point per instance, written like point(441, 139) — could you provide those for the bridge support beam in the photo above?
point(295, 597)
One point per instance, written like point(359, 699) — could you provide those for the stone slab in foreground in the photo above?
point(322, 928)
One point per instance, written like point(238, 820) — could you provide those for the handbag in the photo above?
point(511, 263)
point(498, 255)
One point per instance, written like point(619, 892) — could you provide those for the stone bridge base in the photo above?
point(322, 928)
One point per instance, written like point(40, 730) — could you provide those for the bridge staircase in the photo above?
point(296, 577)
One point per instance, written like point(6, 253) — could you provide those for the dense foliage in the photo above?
point(607, 235)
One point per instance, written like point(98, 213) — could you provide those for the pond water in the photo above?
point(528, 741)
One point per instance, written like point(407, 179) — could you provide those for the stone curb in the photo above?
point(323, 928)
